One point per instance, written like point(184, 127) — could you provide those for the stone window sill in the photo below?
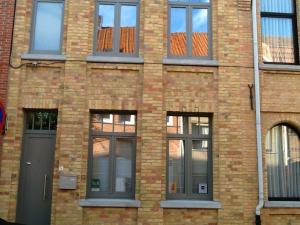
point(282, 204)
point(113, 203)
point(278, 67)
point(114, 59)
point(190, 204)
point(191, 62)
point(49, 57)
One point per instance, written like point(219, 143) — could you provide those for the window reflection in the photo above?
point(200, 31)
point(106, 27)
point(278, 43)
point(48, 22)
point(279, 6)
point(127, 29)
point(199, 166)
point(178, 36)
point(283, 162)
point(99, 181)
point(124, 149)
point(176, 166)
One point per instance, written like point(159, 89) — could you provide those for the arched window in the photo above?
point(283, 163)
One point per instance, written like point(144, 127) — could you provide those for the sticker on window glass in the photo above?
point(202, 188)
point(95, 184)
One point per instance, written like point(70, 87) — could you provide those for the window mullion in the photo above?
point(189, 30)
point(117, 28)
point(187, 167)
point(112, 164)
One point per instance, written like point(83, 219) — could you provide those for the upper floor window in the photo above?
point(117, 28)
point(189, 33)
point(279, 31)
point(112, 155)
point(189, 157)
point(283, 163)
point(47, 26)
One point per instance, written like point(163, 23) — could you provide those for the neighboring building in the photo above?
point(139, 112)
point(6, 26)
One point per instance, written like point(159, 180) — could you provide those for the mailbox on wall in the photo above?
point(67, 182)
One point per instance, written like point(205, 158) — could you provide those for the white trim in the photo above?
point(190, 204)
point(114, 203)
point(282, 204)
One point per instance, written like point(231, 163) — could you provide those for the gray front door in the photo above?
point(36, 173)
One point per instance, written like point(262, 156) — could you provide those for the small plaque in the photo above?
point(202, 188)
point(68, 182)
point(95, 185)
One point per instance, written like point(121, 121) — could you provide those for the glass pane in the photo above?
point(199, 167)
point(30, 120)
point(200, 32)
point(106, 19)
point(127, 29)
point(204, 125)
point(107, 122)
point(180, 125)
point(178, 36)
point(100, 174)
point(194, 125)
point(283, 162)
point(118, 123)
point(96, 120)
point(48, 26)
point(130, 124)
point(277, 43)
point(53, 120)
point(38, 120)
point(190, 1)
point(279, 6)
point(124, 150)
point(176, 166)
point(171, 124)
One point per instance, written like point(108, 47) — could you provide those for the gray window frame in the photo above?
point(188, 138)
point(112, 136)
point(116, 32)
point(189, 6)
point(33, 24)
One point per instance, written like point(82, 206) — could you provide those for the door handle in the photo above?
point(28, 163)
point(45, 187)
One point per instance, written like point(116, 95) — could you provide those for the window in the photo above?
point(47, 26)
point(283, 163)
point(112, 156)
point(189, 28)
point(189, 155)
point(117, 28)
point(279, 31)
point(41, 120)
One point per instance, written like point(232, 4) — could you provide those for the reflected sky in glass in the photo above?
point(199, 20)
point(107, 14)
point(277, 27)
point(280, 6)
point(178, 20)
point(48, 26)
point(128, 16)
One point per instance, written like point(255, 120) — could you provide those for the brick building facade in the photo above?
point(6, 18)
point(150, 85)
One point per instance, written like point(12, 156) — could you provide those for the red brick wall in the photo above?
point(6, 25)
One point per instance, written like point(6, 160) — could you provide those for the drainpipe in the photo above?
point(257, 115)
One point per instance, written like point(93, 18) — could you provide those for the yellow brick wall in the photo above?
point(152, 89)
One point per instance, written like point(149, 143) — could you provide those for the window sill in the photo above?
point(113, 203)
point(28, 56)
point(191, 62)
point(114, 59)
point(277, 67)
point(190, 204)
point(282, 204)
